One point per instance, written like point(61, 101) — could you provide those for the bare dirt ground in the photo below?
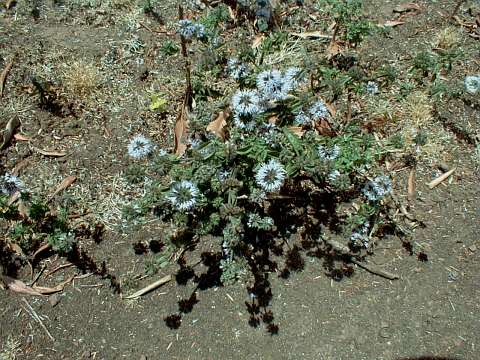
point(432, 310)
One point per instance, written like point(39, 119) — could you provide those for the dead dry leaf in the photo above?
point(217, 126)
point(21, 137)
point(9, 4)
point(20, 166)
point(12, 124)
point(297, 130)
point(49, 152)
point(69, 180)
point(273, 119)
point(3, 77)
point(333, 49)
point(18, 286)
point(405, 7)
point(324, 128)
point(232, 14)
point(181, 129)
point(257, 41)
point(51, 290)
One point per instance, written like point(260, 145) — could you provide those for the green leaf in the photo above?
point(157, 103)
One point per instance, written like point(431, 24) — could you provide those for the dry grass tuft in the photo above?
point(448, 38)
point(81, 79)
point(417, 110)
point(10, 349)
point(420, 132)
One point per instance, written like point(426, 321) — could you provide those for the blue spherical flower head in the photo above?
point(10, 184)
point(360, 236)
point(319, 111)
point(245, 102)
point(139, 147)
point(378, 188)
point(271, 176)
point(188, 29)
point(329, 154)
point(472, 84)
point(371, 88)
point(291, 79)
point(236, 69)
point(302, 119)
point(272, 85)
point(244, 122)
point(183, 195)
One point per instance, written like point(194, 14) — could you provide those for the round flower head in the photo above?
point(372, 88)
point(236, 69)
point(272, 85)
point(245, 102)
point(188, 29)
point(245, 123)
point(378, 188)
point(360, 236)
point(270, 176)
point(291, 78)
point(472, 84)
point(333, 176)
point(319, 110)
point(302, 119)
point(329, 154)
point(10, 184)
point(183, 195)
point(139, 147)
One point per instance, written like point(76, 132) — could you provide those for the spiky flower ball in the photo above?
point(472, 84)
point(10, 184)
point(271, 176)
point(319, 111)
point(188, 29)
point(183, 195)
point(246, 102)
point(271, 84)
point(371, 88)
point(236, 69)
point(139, 147)
point(329, 154)
point(378, 188)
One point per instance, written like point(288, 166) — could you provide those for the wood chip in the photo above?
point(393, 23)
point(411, 185)
point(312, 34)
point(440, 179)
point(149, 288)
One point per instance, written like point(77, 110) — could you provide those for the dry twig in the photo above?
point(37, 318)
